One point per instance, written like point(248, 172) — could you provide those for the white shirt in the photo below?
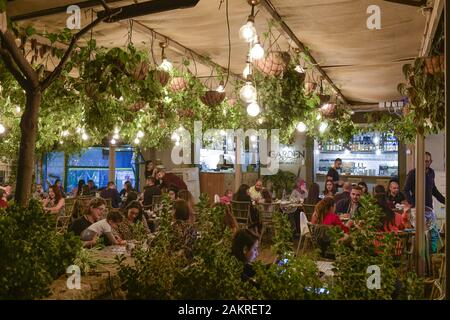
point(100, 227)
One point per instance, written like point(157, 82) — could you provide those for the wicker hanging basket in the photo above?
point(186, 113)
point(212, 98)
point(310, 87)
point(140, 72)
point(274, 63)
point(178, 84)
point(434, 64)
point(161, 76)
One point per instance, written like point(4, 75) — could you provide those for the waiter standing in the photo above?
point(333, 173)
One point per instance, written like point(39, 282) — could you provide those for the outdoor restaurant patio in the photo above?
point(223, 150)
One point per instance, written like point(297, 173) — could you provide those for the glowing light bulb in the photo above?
point(301, 127)
point(2, 128)
point(247, 32)
point(253, 109)
point(61, 142)
point(223, 133)
point(220, 88)
point(319, 116)
point(257, 51)
point(166, 65)
point(116, 136)
point(116, 130)
point(247, 71)
point(323, 126)
point(113, 141)
point(65, 133)
point(136, 141)
point(140, 134)
point(248, 93)
point(167, 99)
point(78, 130)
point(84, 136)
point(121, 99)
point(316, 152)
point(260, 120)
point(18, 109)
point(253, 138)
point(376, 140)
point(177, 143)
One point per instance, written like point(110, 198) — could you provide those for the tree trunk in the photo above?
point(28, 129)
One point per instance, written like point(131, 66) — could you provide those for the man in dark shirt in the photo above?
point(430, 186)
point(150, 190)
point(351, 205)
point(345, 194)
point(169, 179)
point(91, 188)
point(395, 196)
point(111, 193)
point(94, 213)
point(333, 173)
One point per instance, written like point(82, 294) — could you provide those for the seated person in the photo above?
point(131, 196)
point(365, 189)
point(3, 202)
point(345, 194)
point(300, 193)
point(94, 212)
point(127, 188)
point(350, 206)
point(55, 201)
point(242, 195)
point(325, 213)
point(391, 221)
point(255, 191)
point(330, 189)
point(184, 230)
point(313, 195)
point(379, 189)
point(245, 248)
point(39, 193)
point(226, 199)
point(150, 190)
point(103, 228)
point(133, 214)
point(111, 193)
point(172, 192)
point(169, 179)
point(394, 195)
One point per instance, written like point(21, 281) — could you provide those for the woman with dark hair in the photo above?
point(185, 233)
point(172, 192)
point(131, 196)
point(379, 189)
point(55, 202)
point(245, 248)
point(390, 221)
point(60, 187)
point(243, 195)
point(365, 189)
point(93, 213)
point(150, 170)
point(330, 189)
point(325, 213)
point(186, 195)
point(81, 184)
point(313, 196)
point(133, 214)
point(127, 188)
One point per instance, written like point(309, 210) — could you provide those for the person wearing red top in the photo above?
point(325, 213)
point(3, 202)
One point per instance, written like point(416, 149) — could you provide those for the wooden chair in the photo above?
point(266, 211)
point(69, 206)
point(241, 211)
point(305, 240)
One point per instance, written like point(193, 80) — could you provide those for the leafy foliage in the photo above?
point(282, 180)
point(33, 255)
point(354, 257)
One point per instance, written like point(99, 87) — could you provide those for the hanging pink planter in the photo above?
point(212, 98)
point(178, 84)
point(274, 63)
point(324, 98)
point(435, 64)
point(328, 110)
